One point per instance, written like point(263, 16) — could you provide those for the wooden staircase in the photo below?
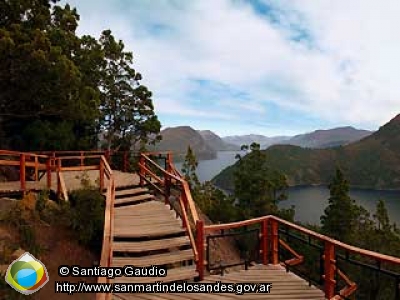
point(148, 233)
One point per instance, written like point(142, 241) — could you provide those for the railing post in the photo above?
point(168, 162)
point(53, 155)
point(101, 174)
point(141, 171)
point(329, 270)
point(274, 241)
point(36, 168)
point(48, 170)
point(108, 156)
point(58, 178)
point(167, 190)
point(22, 171)
point(264, 245)
point(82, 159)
point(200, 248)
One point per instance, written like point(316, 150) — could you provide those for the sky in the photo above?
point(271, 67)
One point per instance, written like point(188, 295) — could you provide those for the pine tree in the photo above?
point(340, 217)
point(189, 169)
point(381, 217)
point(258, 188)
point(213, 202)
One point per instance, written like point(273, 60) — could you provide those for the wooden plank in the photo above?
point(147, 222)
point(153, 232)
point(80, 168)
point(119, 201)
point(156, 260)
point(151, 245)
point(130, 192)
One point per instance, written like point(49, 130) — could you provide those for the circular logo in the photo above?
point(27, 274)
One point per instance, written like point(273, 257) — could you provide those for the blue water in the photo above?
point(207, 169)
point(309, 201)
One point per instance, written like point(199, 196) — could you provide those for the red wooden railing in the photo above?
point(49, 162)
point(107, 250)
point(53, 162)
point(164, 182)
point(167, 179)
point(270, 241)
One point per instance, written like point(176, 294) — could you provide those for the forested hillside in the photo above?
point(372, 162)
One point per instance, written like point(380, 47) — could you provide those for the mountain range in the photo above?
point(372, 162)
point(206, 143)
point(316, 139)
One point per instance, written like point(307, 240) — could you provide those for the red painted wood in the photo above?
point(200, 248)
point(329, 270)
point(22, 172)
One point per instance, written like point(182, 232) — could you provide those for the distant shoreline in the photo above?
point(352, 187)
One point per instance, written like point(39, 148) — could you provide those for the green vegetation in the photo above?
point(87, 217)
point(370, 163)
point(258, 188)
point(59, 91)
point(211, 200)
point(340, 215)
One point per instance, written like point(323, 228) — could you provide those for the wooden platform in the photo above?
point(285, 286)
point(72, 181)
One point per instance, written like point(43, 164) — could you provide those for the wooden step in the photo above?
point(149, 205)
point(156, 260)
point(144, 222)
point(175, 274)
point(134, 199)
point(148, 231)
point(151, 245)
point(130, 192)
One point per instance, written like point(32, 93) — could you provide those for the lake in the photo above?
point(309, 201)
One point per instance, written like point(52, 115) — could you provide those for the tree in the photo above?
point(126, 106)
point(213, 202)
point(189, 169)
point(39, 80)
point(57, 90)
point(258, 188)
point(381, 217)
point(340, 216)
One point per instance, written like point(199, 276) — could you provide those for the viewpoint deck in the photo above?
point(72, 181)
point(285, 286)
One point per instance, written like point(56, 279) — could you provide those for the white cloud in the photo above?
point(346, 74)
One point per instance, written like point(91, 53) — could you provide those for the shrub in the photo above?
point(87, 216)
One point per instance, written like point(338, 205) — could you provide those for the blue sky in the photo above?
point(272, 67)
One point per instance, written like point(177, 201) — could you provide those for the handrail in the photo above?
point(107, 249)
point(321, 237)
point(330, 245)
point(185, 199)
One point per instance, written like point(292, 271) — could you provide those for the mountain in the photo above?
point(316, 139)
point(216, 143)
point(177, 140)
point(373, 162)
point(263, 140)
point(328, 138)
